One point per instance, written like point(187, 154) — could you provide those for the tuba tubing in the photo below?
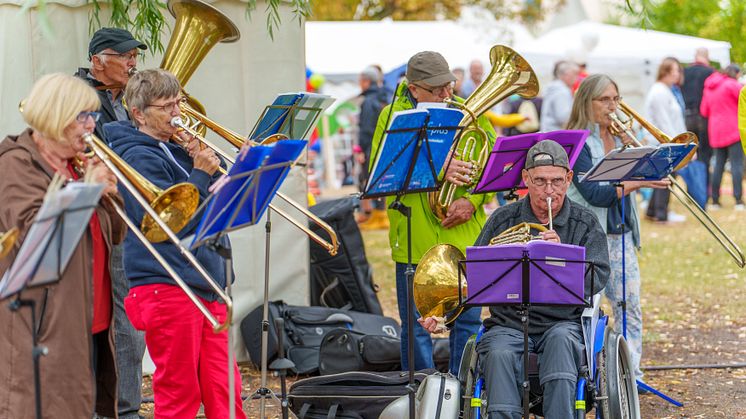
point(730, 246)
point(98, 149)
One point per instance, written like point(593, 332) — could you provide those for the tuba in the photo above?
point(510, 74)
point(619, 128)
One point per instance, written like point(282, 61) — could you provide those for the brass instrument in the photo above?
point(510, 74)
point(436, 288)
point(331, 247)
point(521, 233)
point(619, 127)
point(120, 168)
point(7, 240)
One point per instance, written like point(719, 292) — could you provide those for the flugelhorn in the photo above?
point(7, 240)
point(106, 155)
point(331, 246)
point(510, 74)
point(619, 127)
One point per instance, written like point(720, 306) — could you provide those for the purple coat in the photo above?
point(720, 105)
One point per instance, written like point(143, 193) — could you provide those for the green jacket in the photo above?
point(426, 228)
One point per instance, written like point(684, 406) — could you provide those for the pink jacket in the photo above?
point(720, 105)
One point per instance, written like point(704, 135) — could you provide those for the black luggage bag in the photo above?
point(344, 350)
point(305, 328)
point(344, 280)
point(359, 395)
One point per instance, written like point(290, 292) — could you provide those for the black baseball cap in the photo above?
point(117, 39)
point(430, 68)
point(546, 153)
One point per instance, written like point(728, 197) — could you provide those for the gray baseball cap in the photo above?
point(546, 153)
point(430, 68)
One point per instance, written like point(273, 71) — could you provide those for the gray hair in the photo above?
point(581, 115)
point(564, 67)
point(147, 86)
point(371, 74)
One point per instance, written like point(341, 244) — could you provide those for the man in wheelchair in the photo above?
point(555, 333)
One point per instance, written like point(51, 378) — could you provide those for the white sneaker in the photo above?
point(713, 207)
point(675, 218)
point(643, 205)
point(739, 207)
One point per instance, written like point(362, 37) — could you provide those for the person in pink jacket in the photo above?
point(720, 105)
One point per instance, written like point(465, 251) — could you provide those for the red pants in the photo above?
point(190, 359)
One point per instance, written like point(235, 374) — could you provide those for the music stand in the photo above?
point(408, 161)
point(45, 253)
point(240, 201)
point(290, 114)
point(534, 274)
point(637, 163)
point(502, 172)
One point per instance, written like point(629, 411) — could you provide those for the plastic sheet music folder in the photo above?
point(494, 274)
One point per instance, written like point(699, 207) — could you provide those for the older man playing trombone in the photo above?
point(190, 358)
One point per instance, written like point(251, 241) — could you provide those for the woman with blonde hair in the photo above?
point(73, 315)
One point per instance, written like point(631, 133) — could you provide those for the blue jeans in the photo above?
point(128, 342)
point(466, 325)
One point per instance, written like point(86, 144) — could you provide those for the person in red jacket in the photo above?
point(720, 105)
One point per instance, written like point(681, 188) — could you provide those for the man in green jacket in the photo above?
point(429, 79)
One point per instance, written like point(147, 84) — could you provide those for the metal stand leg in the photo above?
point(37, 350)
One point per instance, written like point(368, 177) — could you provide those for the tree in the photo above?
point(527, 11)
point(714, 19)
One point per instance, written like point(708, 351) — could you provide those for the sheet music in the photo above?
point(53, 237)
point(638, 163)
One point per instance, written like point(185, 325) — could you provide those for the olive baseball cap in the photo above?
point(117, 39)
point(429, 68)
point(546, 153)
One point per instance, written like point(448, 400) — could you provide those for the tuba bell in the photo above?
point(510, 74)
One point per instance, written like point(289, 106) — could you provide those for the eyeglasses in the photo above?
point(82, 117)
point(446, 89)
point(541, 182)
point(607, 100)
point(126, 56)
point(169, 105)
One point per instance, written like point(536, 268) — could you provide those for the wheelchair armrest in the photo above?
point(592, 312)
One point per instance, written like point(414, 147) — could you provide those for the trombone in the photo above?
point(238, 141)
point(7, 240)
point(619, 127)
point(123, 172)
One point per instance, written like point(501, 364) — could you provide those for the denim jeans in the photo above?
point(129, 343)
point(734, 153)
point(466, 325)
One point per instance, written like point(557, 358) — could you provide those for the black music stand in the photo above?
point(290, 114)
point(406, 149)
point(535, 281)
point(502, 172)
point(45, 253)
point(637, 163)
point(240, 201)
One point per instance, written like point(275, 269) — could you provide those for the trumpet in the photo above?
point(331, 246)
point(619, 127)
point(7, 240)
point(120, 170)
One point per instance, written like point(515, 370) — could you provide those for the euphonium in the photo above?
point(619, 127)
point(510, 74)
point(7, 240)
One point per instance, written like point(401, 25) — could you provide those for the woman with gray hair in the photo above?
point(190, 359)
point(596, 98)
point(74, 320)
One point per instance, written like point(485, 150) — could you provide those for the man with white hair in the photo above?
point(476, 74)
point(555, 108)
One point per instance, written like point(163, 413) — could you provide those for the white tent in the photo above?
point(630, 55)
point(234, 85)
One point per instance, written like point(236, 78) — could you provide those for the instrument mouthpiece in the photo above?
point(176, 122)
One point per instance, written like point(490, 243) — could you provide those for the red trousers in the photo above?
point(191, 361)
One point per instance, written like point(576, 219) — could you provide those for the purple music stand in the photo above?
point(507, 158)
point(538, 273)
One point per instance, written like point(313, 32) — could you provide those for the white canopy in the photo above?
point(346, 48)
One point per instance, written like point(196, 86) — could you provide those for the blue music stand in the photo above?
point(637, 163)
point(240, 201)
point(408, 160)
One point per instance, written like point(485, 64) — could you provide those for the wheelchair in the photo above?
point(606, 382)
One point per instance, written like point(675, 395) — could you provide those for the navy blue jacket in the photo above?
point(601, 194)
point(164, 164)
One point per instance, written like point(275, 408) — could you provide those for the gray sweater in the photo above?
point(575, 225)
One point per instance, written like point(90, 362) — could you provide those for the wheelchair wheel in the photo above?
point(467, 375)
point(620, 385)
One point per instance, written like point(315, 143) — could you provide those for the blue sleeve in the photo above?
point(597, 194)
